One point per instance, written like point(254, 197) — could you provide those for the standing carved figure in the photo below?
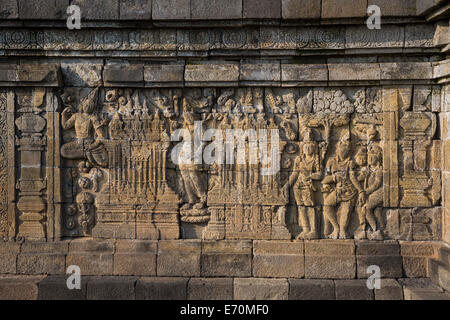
point(192, 181)
point(89, 133)
point(372, 197)
point(340, 191)
point(85, 205)
point(306, 169)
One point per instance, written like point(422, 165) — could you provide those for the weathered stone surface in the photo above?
point(307, 289)
point(327, 259)
point(415, 256)
point(94, 10)
point(171, 9)
point(8, 257)
point(10, 9)
point(278, 259)
point(265, 72)
point(45, 74)
point(395, 8)
point(81, 73)
point(111, 288)
point(343, 8)
point(41, 263)
point(42, 9)
point(422, 289)
point(260, 289)
point(19, 287)
point(161, 288)
point(55, 288)
point(210, 289)
point(390, 290)
point(262, 9)
point(297, 73)
point(120, 74)
point(135, 258)
point(156, 75)
point(439, 273)
point(353, 290)
point(213, 73)
point(178, 258)
point(216, 9)
point(94, 257)
point(386, 255)
point(135, 9)
point(354, 71)
point(404, 70)
point(301, 9)
point(226, 259)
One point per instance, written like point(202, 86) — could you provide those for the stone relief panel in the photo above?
point(4, 226)
point(351, 163)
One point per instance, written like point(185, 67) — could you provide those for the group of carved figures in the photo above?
point(346, 183)
point(339, 184)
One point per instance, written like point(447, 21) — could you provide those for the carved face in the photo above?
point(309, 148)
point(374, 158)
point(361, 159)
point(84, 183)
point(343, 149)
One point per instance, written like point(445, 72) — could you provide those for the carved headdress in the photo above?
point(89, 103)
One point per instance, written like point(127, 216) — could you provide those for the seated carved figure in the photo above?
point(339, 190)
point(372, 199)
point(88, 133)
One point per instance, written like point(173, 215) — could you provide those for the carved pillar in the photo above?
point(30, 144)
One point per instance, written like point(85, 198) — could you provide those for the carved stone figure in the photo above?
point(89, 133)
point(340, 191)
point(306, 170)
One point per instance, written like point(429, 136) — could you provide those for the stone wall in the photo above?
point(359, 119)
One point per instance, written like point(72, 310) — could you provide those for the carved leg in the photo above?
point(313, 234)
point(303, 222)
point(360, 233)
point(344, 217)
point(330, 215)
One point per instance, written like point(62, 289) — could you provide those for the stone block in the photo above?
point(42, 9)
point(8, 73)
point(422, 289)
point(111, 288)
point(171, 9)
point(55, 288)
point(307, 289)
point(226, 259)
point(330, 259)
point(210, 289)
point(94, 257)
point(216, 9)
point(260, 289)
point(354, 72)
point(262, 9)
point(44, 74)
point(395, 8)
point(98, 10)
point(135, 258)
point(19, 287)
point(161, 288)
point(135, 9)
point(179, 258)
point(301, 9)
point(258, 73)
point(353, 290)
point(158, 75)
point(415, 256)
point(82, 73)
point(385, 255)
point(41, 263)
point(212, 73)
point(406, 71)
point(122, 74)
point(278, 259)
point(390, 289)
point(8, 257)
point(344, 9)
point(439, 273)
point(9, 10)
point(292, 74)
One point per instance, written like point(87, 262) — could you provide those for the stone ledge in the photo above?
point(168, 288)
